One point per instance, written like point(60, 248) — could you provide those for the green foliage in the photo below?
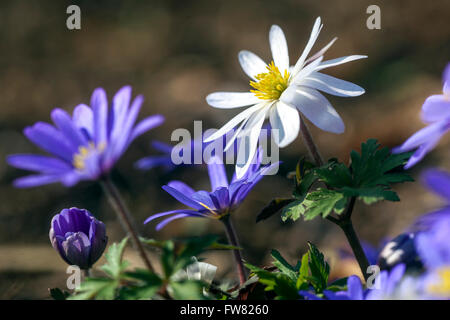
point(369, 178)
point(58, 294)
point(120, 283)
point(312, 271)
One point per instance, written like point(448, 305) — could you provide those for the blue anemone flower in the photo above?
point(435, 112)
point(223, 198)
point(86, 145)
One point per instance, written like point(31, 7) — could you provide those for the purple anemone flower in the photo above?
point(435, 112)
point(86, 145)
point(223, 198)
point(79, 238)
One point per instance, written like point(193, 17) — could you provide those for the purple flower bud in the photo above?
point(79, 238)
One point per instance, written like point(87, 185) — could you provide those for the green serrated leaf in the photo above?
point(293, 211)
point(96, 288)
point(318, 267)
point(283, 265)
point(115, 266)
point(322, 202)
point(303, 274)
point(283, 286)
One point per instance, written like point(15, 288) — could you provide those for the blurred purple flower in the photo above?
point(435, 112)
point(223, 198)
point(385, 287)
point(433, 247)
point(192, 147)
point(86, 145)
point(162, 160)
point(79, 238)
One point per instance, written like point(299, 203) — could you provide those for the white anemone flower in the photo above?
point(279, 92)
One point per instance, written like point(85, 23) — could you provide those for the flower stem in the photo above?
point(344, 221)
point(307, 138)
point(233, 240)
point(355, 244)
point(125, 218)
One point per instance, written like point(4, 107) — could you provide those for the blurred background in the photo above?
point(175, 53)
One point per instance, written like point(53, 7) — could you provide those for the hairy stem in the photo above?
point(344, 221)
point(233, 240)
point(125, 218)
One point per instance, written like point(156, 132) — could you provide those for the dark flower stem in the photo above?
point(125, 218)
point(307, 138)
point(233, 240)
point(357, 249)
point(344, 221)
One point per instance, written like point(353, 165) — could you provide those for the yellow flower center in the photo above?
point(270, 85)
point(442, 288)
point(79, 159)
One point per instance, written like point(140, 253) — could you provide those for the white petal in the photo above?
point(234, 122)
point(229, 100)
point(279, 48)
point(315, 107)
point(235, 134)
point(248, 142)
point(251, 63)
point(306, 71)
point(322, 51)
point(338, 61)
point(286, 120)
point(312, 39)
point(332, 85)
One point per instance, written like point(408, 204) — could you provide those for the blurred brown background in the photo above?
point(175, 53)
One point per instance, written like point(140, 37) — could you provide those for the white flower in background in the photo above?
point(279, 91)
point(197, 271)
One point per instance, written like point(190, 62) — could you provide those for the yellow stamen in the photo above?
point(442, 288)
point(270, 85)
point(79, 158)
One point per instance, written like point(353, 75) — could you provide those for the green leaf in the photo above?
point(293, 211)
point(278, 282)
point(372, 167)
point(283, 265)
point(115, 266)
point(272, 208)
point(186, 290)
point(323, 202)
point(335, 174)
point(319, 268)
point(371, 195)
point(303, 274)
point(58, 294)
point(338, 285)
point(145, 285)
point(96, 288)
